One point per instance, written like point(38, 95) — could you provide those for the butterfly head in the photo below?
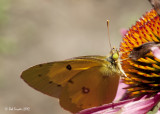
point(114, 55)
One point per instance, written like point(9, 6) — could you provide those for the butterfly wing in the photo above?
point(90, 88)
point(142, 50)
point(37, 78)
point(50, 78)
point(79, 83)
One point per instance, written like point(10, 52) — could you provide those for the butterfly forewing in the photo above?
point(50, 77)
point(37, 78)
point(63, 71)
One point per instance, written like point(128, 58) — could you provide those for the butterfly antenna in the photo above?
point(120, 53)
point(108, 34)
point(124, 52)
point(124, 59)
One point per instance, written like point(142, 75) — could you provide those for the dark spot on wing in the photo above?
point(69, 67)
point(50, 82)
point(59, 85)
point(70, 81)
point(39, 75)
point(85, 90)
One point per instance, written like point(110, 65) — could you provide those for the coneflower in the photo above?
point(141, 63)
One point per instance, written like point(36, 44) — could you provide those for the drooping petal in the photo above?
point(141, 106)
point(130, 106)
point(107, 108)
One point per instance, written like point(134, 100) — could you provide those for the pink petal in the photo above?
point(156, 51)
point(123, 31)
point(112, 107)
point(158, 112)
point(130, 106)
point(141, 106)
point(121, 91)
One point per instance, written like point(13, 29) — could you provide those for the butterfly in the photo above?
point(79, 83)
point(142, 50)
point(156, 5)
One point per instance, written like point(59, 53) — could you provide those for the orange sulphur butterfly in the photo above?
point(79, 83)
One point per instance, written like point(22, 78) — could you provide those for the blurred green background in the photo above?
point(39, 31)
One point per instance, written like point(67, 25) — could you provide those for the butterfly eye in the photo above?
point(115, 56)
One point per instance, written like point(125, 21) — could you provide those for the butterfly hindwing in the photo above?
point(91, 88)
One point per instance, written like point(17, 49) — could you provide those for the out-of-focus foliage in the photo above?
point(5, 44)
point(4, 6)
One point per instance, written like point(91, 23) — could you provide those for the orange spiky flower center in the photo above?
point(143, 74)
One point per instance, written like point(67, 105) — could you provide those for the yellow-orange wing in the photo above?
point(79, 83)
point(49, 78)
point(90, 88)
